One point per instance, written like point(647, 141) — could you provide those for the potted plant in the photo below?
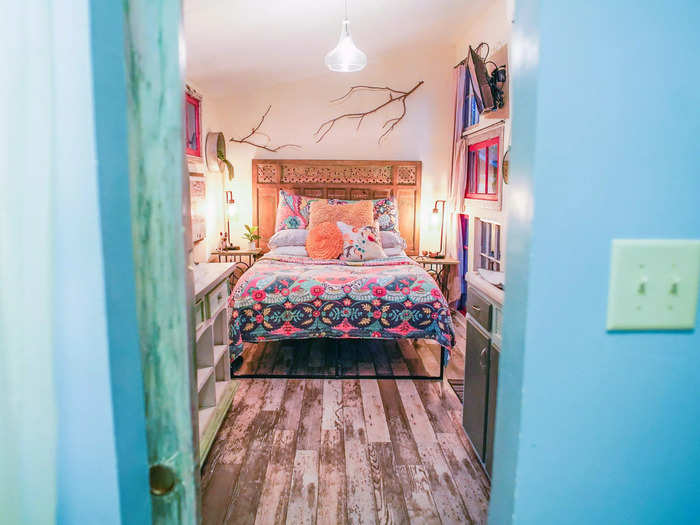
point(251, 235)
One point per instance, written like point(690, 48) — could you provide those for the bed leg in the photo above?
point(442, 362)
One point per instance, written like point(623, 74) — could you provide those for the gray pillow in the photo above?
point(394, 252)
point(296, 251)
point(393, 240)
point(288, 238)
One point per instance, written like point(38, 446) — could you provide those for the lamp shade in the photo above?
point(346, 57)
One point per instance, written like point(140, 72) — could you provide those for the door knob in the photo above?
point(161, 479)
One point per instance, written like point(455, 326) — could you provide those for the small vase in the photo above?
point(252, 245)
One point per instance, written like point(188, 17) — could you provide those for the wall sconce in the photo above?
point(439, 254)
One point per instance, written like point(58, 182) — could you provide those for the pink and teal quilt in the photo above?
point(299, 298)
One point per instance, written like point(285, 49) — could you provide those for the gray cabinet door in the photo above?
point(491, 402)
point(475, 384)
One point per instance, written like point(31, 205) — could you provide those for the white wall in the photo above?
point(214, 181)
point(493, 26)
point(299, 108)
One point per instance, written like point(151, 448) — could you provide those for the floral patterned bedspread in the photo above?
point(300, 297)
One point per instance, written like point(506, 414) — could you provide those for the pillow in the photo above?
point(354, 213)
point(394, 252)
point(297, 251)
point(360, 244)
point(324, 241)
point(385, 213)
point(292, 211)
point(288, 238)
point(392, 240)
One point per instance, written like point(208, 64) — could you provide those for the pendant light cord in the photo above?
point(346, 9)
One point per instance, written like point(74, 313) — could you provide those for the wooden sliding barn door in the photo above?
point(155, 110)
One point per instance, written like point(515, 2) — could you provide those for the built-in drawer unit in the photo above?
point(479, 308)
point(217, 297)
point(200, 314)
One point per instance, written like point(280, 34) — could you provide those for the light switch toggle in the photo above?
point(674, 286)
point(642, 288)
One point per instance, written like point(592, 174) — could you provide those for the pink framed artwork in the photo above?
point(193, 126)
point(483, 170)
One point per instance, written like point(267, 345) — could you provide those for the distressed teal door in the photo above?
point(155, 105)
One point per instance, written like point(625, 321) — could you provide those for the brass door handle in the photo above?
point(161, 479)
point(476, 308)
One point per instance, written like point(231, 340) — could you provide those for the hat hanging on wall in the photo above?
point(215, 152)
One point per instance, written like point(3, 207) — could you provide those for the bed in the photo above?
point(295, 297)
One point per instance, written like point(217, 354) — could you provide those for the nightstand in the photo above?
point(245, 257)
point(439, 269)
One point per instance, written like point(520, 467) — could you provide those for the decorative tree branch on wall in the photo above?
point(395, 95)
point(256, 131)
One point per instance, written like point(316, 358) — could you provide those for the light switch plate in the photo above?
point(653, 284)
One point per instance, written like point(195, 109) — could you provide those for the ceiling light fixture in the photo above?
point(346, 57)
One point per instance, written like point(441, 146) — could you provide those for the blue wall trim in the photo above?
point(109, 84)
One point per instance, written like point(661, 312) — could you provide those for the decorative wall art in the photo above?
point(215, 154)
point(193, 123)
point(198, 196)
point(395, 95)
point(256, 131)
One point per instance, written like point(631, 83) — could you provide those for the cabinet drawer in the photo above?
point(217, 297)
point(479, 308)
point(475, 386)
point(200, 314)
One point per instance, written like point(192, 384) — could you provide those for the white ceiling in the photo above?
point(235, 44)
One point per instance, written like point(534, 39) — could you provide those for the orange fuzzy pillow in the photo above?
point(358, 213)
point(325, 241)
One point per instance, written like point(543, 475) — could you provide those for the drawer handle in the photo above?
point(482, 358)
point(476, 308)
point(218, 297)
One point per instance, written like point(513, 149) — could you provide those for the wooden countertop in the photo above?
point(208, 275)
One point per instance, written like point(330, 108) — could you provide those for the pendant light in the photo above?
point(346, 57)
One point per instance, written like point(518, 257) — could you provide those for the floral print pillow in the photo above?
point(292, 212)
point(386, 214)
point(360, 244)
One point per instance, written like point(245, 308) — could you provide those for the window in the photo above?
point(471, 111)
point(489, 257)
point(192, 126)
point(483, 170)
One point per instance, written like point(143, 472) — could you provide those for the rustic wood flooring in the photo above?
point(344, 451)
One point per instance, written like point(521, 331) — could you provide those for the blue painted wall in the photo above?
point(86, 460)
point(596, 427)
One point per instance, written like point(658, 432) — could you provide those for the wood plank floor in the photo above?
point(344, 451)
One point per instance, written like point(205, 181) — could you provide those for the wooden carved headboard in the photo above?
point(339, 179)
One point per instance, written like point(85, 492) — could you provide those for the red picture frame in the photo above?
point(193, 126)
point(479, 158)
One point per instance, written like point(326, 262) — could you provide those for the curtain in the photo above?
point(458, 178)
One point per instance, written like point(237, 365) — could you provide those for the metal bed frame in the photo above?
point(339, 372)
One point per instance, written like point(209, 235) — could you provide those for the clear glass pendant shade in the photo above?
point(346, 57)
